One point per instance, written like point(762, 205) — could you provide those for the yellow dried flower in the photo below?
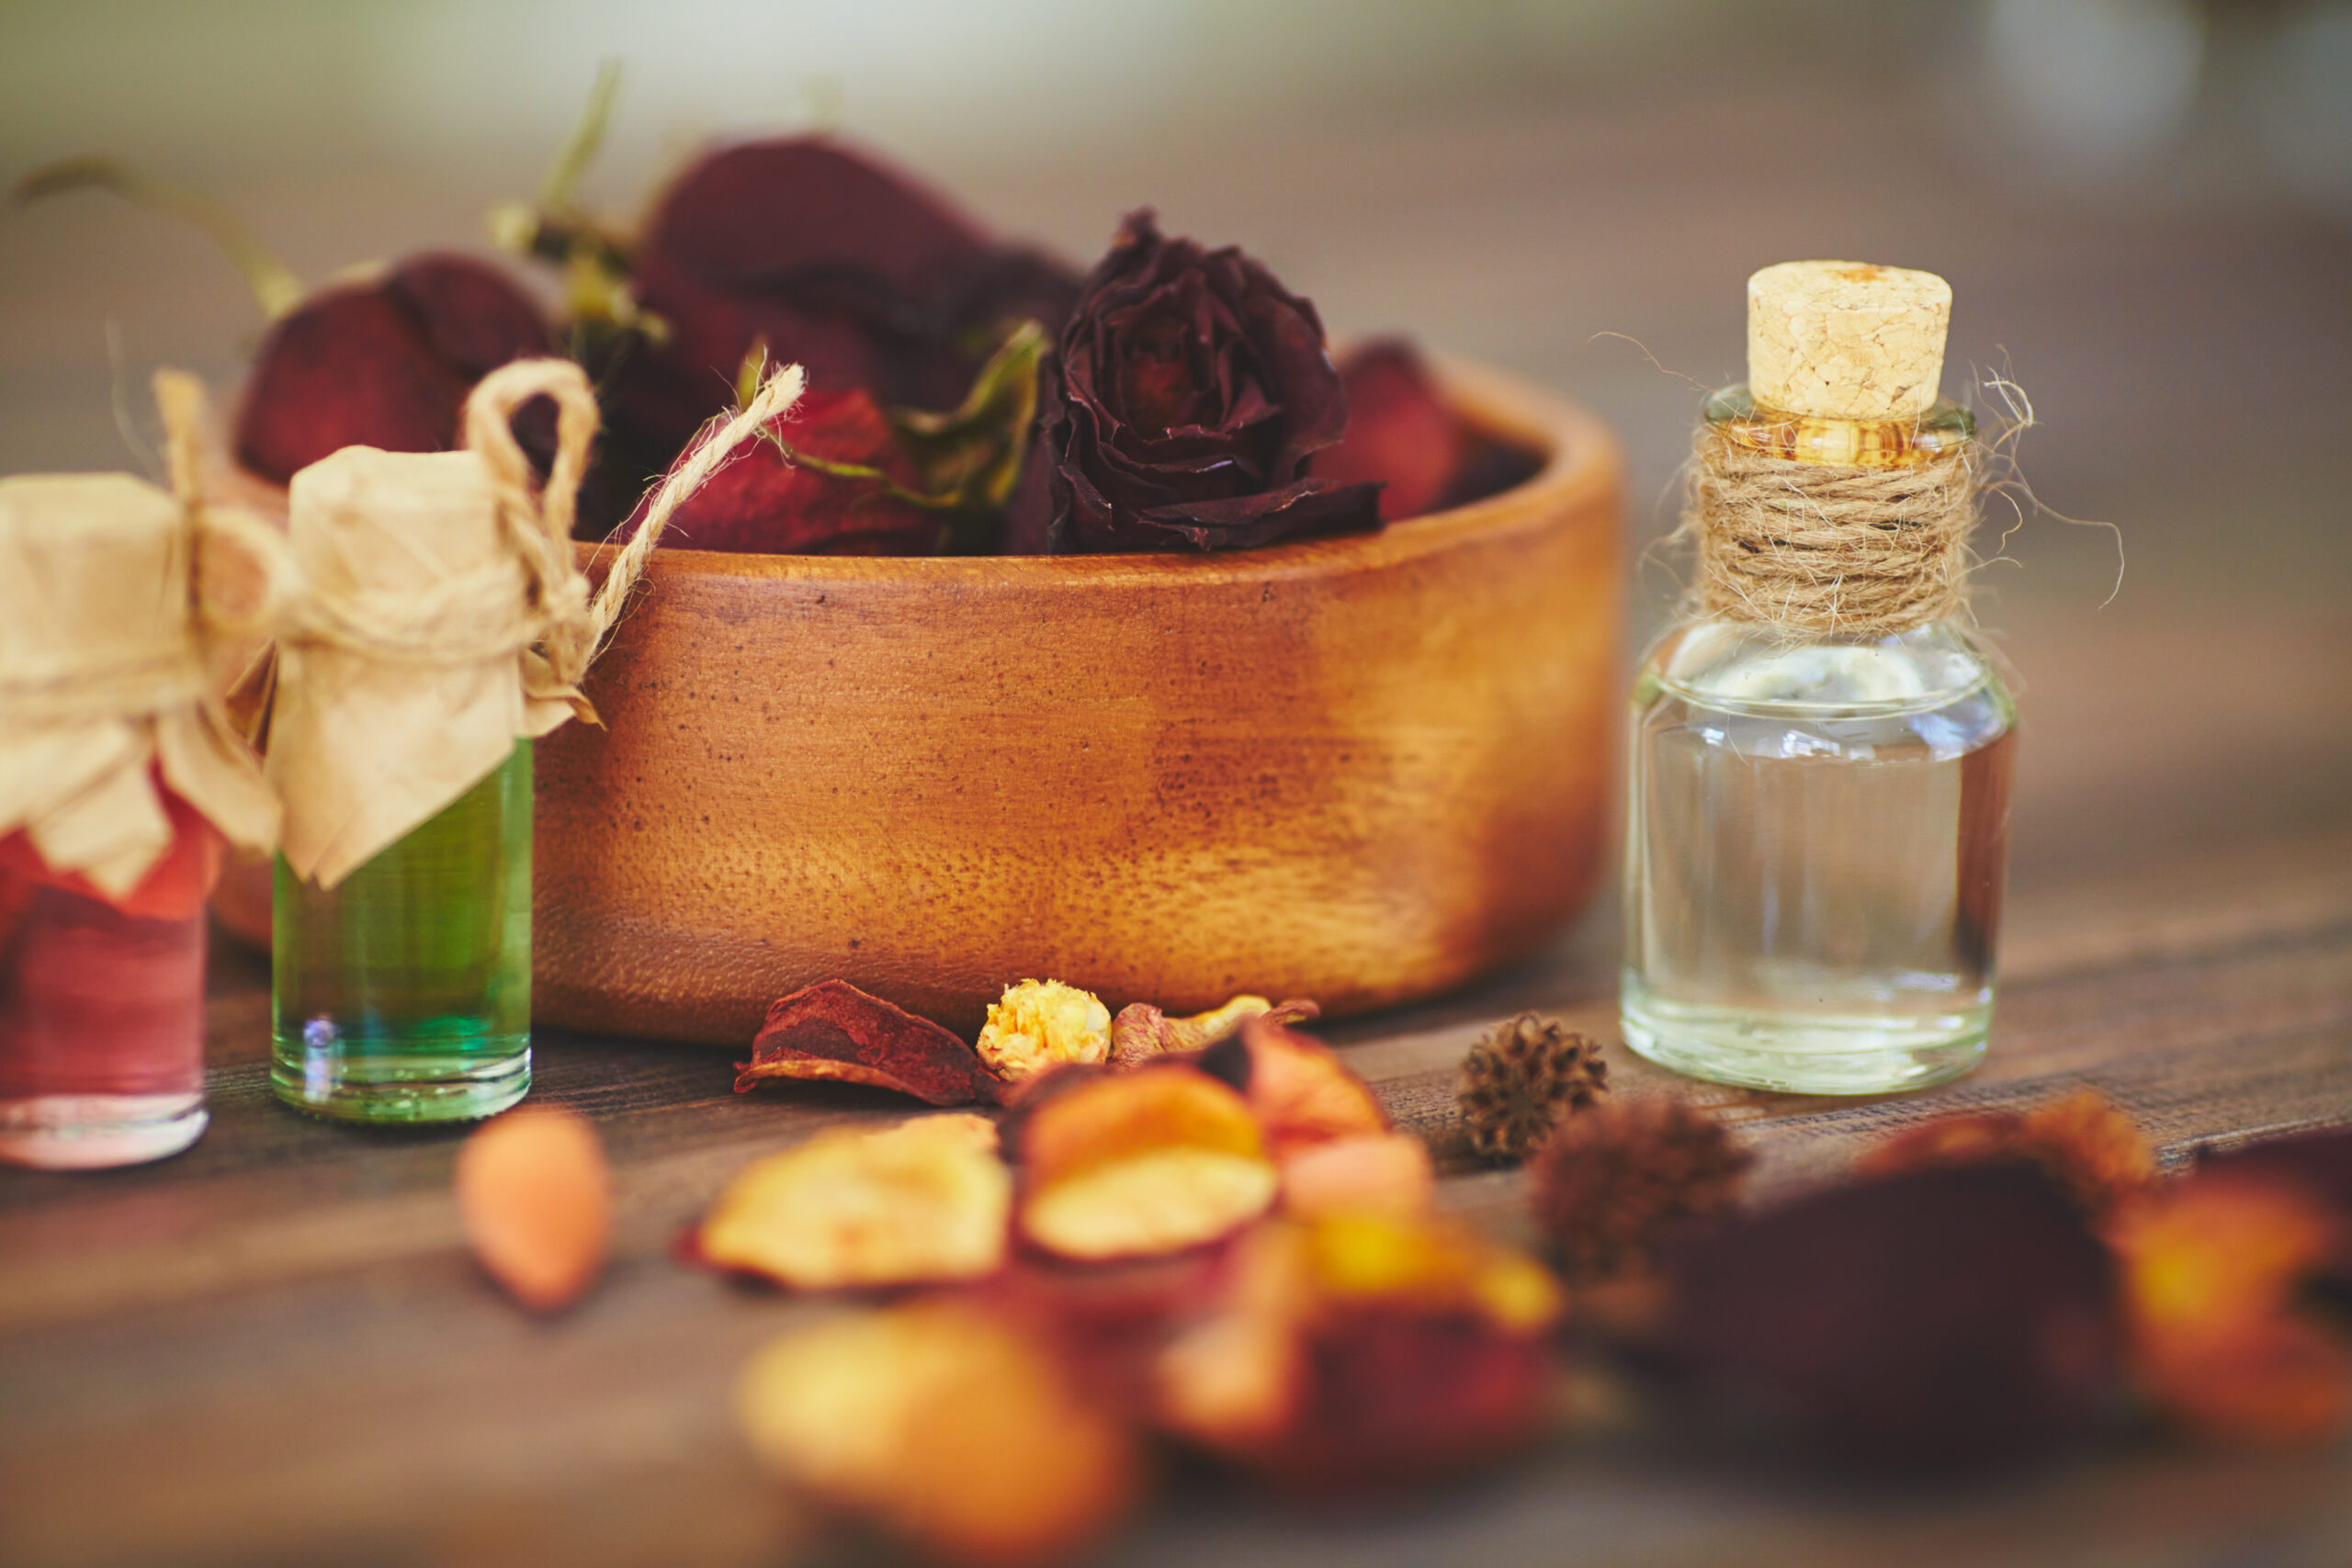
point(1041, 1024)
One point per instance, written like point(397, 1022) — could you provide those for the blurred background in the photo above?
point(2144, 208)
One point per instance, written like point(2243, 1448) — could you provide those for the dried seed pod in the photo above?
point(1612, 1182)
point(2084, 1140)
point(834, 1033)
point(1523, 1079)
point(943, 1422)
point(925, 1200)
point(538, 1203)
point(1134, 1163)
point(1043, 1024)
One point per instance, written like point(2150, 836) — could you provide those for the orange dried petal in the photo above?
point(2213, 1269)
point(538, 1203)
point(1380, 1173)
point(1141, 1163)
point(943, 1422)
point(927, 1200)
point(1301, 1093)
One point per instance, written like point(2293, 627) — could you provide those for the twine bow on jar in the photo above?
point(109, 647)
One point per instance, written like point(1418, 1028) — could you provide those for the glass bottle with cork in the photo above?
point(1820, 754)
point(120, 779)
point(440, 626)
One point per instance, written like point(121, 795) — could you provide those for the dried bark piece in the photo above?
point(833, 1032)
point(923, 1201)
point(538, 1203)
point(1142, 1032)
point(2218, 1277)
point(946, 1423)
point(1138, 1164)
point(1361, 1351)
point(1301, 1093)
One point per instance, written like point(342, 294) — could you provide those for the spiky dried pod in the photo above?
point(1521, 1079)
point(1610, 1184)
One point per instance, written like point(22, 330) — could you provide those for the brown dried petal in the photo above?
point(835, 1031)
point(1142, 1031)
point(1378, 1173)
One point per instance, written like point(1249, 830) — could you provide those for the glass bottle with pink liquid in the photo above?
point(118, 776)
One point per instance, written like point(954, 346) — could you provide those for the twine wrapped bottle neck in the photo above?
point(1829, 527)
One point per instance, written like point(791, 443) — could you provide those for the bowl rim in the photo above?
point(1581, 458)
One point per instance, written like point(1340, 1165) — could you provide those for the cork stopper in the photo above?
point(1846, 340)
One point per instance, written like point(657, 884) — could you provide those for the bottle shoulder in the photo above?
point(1741, 665)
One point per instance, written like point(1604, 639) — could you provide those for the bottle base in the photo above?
point(403, 1087)
point(93, 1132)
point(1804, 1052)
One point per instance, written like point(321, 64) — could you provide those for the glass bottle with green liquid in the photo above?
point(400, 739)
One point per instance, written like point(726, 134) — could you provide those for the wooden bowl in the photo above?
point(1361, 770)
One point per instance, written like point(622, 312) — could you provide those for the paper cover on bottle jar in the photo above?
point(438, 618)
point(106, 683)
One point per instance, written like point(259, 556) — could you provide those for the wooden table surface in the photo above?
point(275, 1348)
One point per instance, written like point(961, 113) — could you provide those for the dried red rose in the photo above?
point(786, 492)
point(1401, 433)
point(832, 261)
point(1188, 391)
point(385, 364)
point(1949, 1319)
point(833, 1032)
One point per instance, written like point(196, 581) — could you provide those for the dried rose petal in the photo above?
point(1401, 433)
point(1134, 1163)
point(833, 1032)
point(835, 263)
point(2215, 1269)
point(774, 495)
point(1363, 1352)
point(944, 1422)
point(537, 1202)
point(385, 364)
point(1377, 1173)
point(1301, 1093)
point(923, 1201)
